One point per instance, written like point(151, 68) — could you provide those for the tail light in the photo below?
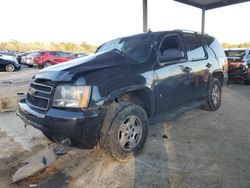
point(236, 63)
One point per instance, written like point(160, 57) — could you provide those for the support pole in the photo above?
point(145, 15)
point(203, 21)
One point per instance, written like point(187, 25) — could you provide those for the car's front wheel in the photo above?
point(128, 132)
point(10, 68)
point(214, 95)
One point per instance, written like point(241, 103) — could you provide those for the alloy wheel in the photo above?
point(130, 133)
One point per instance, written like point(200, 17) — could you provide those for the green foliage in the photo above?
point(241, 45)
point(64, 46)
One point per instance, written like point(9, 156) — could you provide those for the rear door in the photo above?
point(59, 57)
point(198, 60)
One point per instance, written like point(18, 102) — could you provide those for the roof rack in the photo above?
point(189, 31)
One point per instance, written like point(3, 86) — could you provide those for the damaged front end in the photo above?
point(61, 113)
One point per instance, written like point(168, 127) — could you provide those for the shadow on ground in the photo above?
point(198, 149)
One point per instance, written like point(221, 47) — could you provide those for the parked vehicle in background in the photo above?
point(8, 52)
point(9, 63)
point(21, 54)
point(48, 58)
point(77, 55)
point(239, 64)
point(29, 59)
point(109, 97)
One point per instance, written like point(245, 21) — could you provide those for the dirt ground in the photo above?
point(197, 149)
point(16, 82)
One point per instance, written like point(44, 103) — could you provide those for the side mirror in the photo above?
point(171, 54)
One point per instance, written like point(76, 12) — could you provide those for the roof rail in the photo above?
point(188, 31)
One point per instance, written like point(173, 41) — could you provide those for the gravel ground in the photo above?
point(197, 149)
point(12, 83)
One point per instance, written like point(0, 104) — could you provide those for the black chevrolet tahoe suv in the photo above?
point(109, 97)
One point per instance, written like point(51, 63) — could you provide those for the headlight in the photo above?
point(72, 96)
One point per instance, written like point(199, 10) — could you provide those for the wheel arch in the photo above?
point(219, 75)
point(137, 94)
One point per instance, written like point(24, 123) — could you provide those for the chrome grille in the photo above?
point(39, 96)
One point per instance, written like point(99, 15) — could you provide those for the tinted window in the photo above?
point(171, 49)
point(239, 54)
point(213, 45)
point(194, 47)
point(216, 47)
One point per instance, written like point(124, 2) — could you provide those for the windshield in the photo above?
point(235, 53)
point(136, 47)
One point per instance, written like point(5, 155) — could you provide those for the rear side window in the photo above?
point(195, 50)
point(214, 45)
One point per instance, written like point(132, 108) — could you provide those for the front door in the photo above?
point(174, 77)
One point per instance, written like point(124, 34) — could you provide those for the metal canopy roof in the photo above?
point(202, 4)
point(210, 4)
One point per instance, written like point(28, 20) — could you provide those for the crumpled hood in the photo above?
point(90, 63)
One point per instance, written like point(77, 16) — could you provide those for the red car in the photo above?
point(48, 58)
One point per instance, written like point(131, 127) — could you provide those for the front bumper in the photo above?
point(82, 128)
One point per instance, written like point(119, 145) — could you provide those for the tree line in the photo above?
point(14, 45)
point(82, 47)
point(240, 45)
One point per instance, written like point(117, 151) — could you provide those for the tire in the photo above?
point(40, 66)
point(128, 132)
point(10, 68)
point(214, 96)
point(47, 64)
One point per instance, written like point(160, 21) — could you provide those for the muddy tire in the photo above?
point(128, 132)
point(10, 68)
point(214, 96)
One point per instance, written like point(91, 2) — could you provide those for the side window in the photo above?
point(53, 53)
point(63, 54)
point(195, 50)
point(171, 49)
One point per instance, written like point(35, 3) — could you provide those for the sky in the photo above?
point(97, 21)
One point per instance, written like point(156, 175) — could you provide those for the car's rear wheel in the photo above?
point(47, 64)
point(128, 132)
point(214, 95)
point(10, 68)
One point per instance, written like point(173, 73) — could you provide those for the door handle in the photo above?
point(187, 69)
point(208, 65)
